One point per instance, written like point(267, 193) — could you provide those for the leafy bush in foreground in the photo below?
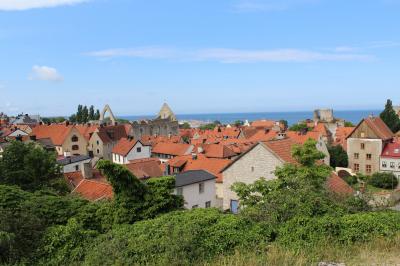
point(384, 180)
point(176, 238)
point(306, 231)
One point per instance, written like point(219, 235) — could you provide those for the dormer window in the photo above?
point(74, 138)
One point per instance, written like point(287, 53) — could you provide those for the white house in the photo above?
point(390, 159)
point(73, 163)
point(197, 188)
point(17, 133)
point(128, 149)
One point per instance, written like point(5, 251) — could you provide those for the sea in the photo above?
point(353, 116)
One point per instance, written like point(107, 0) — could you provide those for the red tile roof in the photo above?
point(300, 138)
point(174, 149)
point(214, 150)
point(124, 146)
point(263, 123)
point(338, 185)
point(341, 135)
point(145, 168)
point(282, 148)
point(378, 126)
point(56, 132)
point(391, 150)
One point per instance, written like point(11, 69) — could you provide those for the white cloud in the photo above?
point(10, 5)
point(45, 73)
point(225, 55)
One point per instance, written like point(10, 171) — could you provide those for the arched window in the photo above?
point(74, 138)
point(75, 147)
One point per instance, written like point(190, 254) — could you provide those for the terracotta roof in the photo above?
point(338, 185)
point(56, 132)
point(378, 126)
point(94, 190)
point(391, 150)
point(282, 148)
point(300, 138)
point(86, 130)
point(174, 149)
point(263, 123)
point(263, 135)
point(215, 150)
point(111, 133)
point(341, 135)
point(145, 168)
point(124, 146)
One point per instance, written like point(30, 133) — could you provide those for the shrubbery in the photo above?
point(384, 180)
point(350, 179)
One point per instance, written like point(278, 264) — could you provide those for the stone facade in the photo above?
point(258, 162)
point(74, 143)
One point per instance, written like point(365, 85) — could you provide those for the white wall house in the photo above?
point(17, 133)
point(73, 163)
point(390, 159)
point(197, 188)
point(128, 150)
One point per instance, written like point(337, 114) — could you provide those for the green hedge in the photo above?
point(384, 180)
point(302, 232)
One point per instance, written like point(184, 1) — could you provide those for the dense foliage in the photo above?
point(385, 180)
point(50, 120)
point(390, 117)
point(302, 127)
point(338, 156)
point(85, 114)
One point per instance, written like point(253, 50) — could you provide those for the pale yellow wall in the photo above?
point(67, 145)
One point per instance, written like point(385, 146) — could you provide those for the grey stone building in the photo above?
point(164, 124)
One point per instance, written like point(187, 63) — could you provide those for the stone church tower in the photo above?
point(166, 113)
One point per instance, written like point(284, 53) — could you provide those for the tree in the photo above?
point(390, 117)
point(238, 123)
point(79, 114)
point(28, 166)
point(185, 125)
point(91, 113)
point(348, 124)
point(338, 156)
point(85, 114)
point(97, 115)
point(284, 123)
point(136, 200)
point(386, 180)
point(299, 127)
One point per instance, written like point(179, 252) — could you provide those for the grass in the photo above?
point(377, 252)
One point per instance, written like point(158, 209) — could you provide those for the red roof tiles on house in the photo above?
point(124, 146)
point(56, 132)
point(145, 168)
point(391, 150)
point(338, 185)
point(174, 149)
point(283, 149)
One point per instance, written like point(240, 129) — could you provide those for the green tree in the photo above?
point(79, 114)
point(85, 114)
point(390, 117)
point(284, 123)
point(91, 113)
point(97, 115)
point(28, 166)
point(348, 124)
point(185, 125)
point(299, 127)
point(238, 123)
point(338, 156)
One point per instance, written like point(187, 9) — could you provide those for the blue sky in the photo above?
point(200, 56)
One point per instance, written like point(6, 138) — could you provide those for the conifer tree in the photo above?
point(97, 115)
point(79, 114)
point(91, 113)
point(390, 117)
point(85, 114)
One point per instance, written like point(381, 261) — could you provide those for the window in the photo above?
point(391, 164)
point(195, 206)
point(75, 147)
point(97, 142)
point(139, 149)
point(356, 167)
point(179, 191)
point(74, 138)
point(234, 206)
point(252, 168)
point(201, 188)
point(356, 155)
point(208, 204)
point(176, 170)
point(362, 146)
point(369, 156)
point(77, 167)
point(98, 151)
point(363, 134)
point(384, 164)
point(368, 168)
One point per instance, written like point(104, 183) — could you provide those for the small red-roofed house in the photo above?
point(390, 159)
point(128, 149)
point(165, 151)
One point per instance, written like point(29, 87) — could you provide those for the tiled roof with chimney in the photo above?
point(214, 150)
point(379, 127)
point(56, 132)
point(341, 135)
point(86, 130)
point(301, 137)
point(124, 146)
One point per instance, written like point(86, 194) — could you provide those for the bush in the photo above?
point(303, 232)
point(350, 179)
point(181, 237)
point(384, 180)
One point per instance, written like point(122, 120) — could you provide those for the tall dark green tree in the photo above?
point(97, 115)
point(85, 114)
point(79, 114)
point(338, 156)
point(91, 113)
point(390, 117)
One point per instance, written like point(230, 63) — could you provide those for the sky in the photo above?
point(204, 56)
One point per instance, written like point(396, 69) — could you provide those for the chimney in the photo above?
point(281, 135)
point(266, 130)
point(32, 137)
point(194, 156)
point(200, 149)
point(87, 171)
point(67, 154)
